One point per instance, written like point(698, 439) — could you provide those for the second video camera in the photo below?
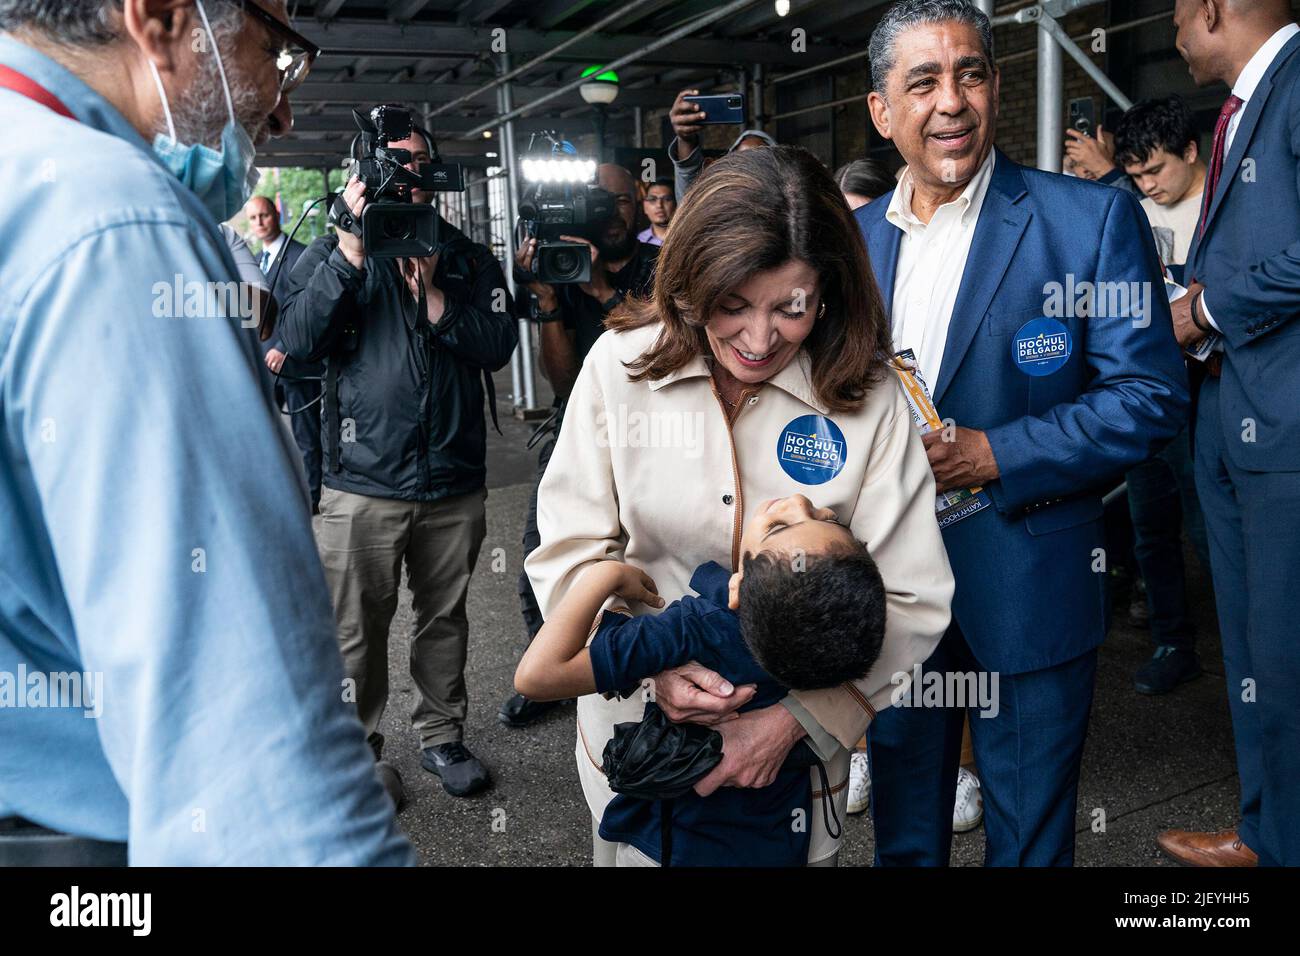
point(558, 200)
point(392, 224)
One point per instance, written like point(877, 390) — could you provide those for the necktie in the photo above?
point(1231, 106)
point(266, 260)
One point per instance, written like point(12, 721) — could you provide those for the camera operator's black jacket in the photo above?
point(403, 407)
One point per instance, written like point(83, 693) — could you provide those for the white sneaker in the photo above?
point(859, 783)
point(968, 812)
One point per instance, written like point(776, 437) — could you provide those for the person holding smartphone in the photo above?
point(687, 155)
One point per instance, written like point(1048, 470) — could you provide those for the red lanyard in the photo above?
point(13, 80)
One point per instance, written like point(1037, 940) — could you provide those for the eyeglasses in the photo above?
point(297, 53)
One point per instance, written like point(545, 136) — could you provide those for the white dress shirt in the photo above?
point(1252, 73)
point(273, 247)
point(1244, 89)
point(931, 263)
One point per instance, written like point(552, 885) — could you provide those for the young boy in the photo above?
point(805, 611)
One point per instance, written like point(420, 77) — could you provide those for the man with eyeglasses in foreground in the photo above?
point(159, 697)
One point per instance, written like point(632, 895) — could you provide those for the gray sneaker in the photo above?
point(461, 772)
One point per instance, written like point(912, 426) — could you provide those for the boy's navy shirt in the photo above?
point(734, 826)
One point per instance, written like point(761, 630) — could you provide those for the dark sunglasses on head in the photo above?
point(296, 54)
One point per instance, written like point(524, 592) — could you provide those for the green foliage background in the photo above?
point(295, 189)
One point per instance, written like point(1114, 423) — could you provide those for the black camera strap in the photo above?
point(340, 215)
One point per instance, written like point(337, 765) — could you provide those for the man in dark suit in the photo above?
point(1035, 307)
point(299, 387)
point(1245, 267)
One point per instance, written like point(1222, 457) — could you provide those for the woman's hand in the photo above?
point(754, 746)
point(693, 694)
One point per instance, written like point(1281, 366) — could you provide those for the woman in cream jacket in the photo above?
point(755, 372)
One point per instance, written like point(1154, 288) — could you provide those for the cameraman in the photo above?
point(571, 318)
point(404, 441)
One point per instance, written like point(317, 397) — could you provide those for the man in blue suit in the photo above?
point(1245, 263)
point(1035, 308)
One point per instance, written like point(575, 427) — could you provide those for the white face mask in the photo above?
point(222, 180)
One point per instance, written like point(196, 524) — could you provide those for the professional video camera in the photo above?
point(559, 199)
point(391, 224)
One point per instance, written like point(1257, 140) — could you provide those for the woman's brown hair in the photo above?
point(747, 213)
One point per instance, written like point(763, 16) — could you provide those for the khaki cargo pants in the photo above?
point(363, 541)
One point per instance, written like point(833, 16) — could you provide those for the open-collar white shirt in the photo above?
point(931, 263)
point(1244, 89)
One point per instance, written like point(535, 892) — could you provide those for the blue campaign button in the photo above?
point(811, 449)
point(1041, 347)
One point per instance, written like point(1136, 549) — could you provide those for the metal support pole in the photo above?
point(1052, 41)
point(521, 363)
point(638, 127)
point(1051, 106)
point(984, 6)
point(1048, 25)
point(758, 109)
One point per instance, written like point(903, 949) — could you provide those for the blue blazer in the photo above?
point(1028, 596)
point(290, 254)
point(1249, 262)
point(293, 249)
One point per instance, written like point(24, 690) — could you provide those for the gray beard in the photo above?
point(200, 113)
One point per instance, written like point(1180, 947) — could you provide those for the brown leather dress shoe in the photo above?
point(1223, 848)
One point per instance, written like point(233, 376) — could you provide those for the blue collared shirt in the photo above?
point(154, 533)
